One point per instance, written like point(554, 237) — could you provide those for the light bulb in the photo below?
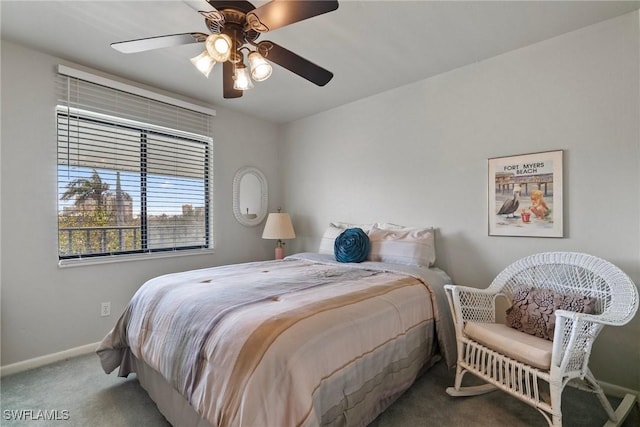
point(241, 79)
point(260, 68)
point(204, 63)
point(219, 46)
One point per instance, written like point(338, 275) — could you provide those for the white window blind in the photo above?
point(134, 174)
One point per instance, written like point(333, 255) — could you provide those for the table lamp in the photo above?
point(278, 227)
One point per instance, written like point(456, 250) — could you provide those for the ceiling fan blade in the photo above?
point(294, 63)
point(150, 43)
point(199, 5)
point(243, 6)
point(227, 81)
point(278, 13)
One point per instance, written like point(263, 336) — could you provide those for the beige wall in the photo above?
point(417, 155)
point(46, 309)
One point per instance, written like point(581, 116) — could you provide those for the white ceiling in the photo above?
point(370, 46)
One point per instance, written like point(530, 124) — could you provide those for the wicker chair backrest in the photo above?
point(573, 273)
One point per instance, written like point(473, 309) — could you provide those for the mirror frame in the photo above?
point(241, 173)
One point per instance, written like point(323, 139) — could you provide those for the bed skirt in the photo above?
point(170, 402)
point(179, 413)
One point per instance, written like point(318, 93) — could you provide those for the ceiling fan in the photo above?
point(235, 26)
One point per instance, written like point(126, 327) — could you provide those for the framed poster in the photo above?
point(525, 195)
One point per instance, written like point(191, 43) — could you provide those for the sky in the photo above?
point(165, 194)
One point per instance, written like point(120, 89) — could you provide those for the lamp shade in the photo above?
point(241, 79)
point(204, 63)
point(260, 68)
point(219, 47)
point(278, 226)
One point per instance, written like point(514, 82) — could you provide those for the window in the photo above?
point(131, 179)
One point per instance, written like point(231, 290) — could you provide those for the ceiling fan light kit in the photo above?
point(235, 26)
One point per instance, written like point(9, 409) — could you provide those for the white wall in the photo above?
point(417, 155)
point(46, 309)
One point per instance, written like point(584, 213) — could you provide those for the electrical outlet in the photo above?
point(105, 309)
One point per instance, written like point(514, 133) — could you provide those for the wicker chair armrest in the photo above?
point(574, 335)
point(594, 318)
point(471, 304)
point(470, 289)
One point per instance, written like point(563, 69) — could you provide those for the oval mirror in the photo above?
point(250, 196)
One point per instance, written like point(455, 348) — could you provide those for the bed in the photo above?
point(304, 341)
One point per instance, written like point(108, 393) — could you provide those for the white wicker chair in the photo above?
point(565, 273)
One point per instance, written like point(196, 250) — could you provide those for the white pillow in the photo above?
point(408, 246)
point(333, 231)
point(344, 225)
point(391, 226)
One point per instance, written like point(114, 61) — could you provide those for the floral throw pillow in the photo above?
point(533, 310)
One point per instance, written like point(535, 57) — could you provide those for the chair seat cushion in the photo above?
point(517, 345)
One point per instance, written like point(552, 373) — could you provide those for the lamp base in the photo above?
point(279, 252)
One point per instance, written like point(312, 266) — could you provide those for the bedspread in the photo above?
point(304, 341)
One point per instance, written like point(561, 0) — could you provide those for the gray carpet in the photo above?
point(79, 392)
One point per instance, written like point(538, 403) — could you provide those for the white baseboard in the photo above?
point(36, 362)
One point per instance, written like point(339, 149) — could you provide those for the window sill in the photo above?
point(81, 262)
